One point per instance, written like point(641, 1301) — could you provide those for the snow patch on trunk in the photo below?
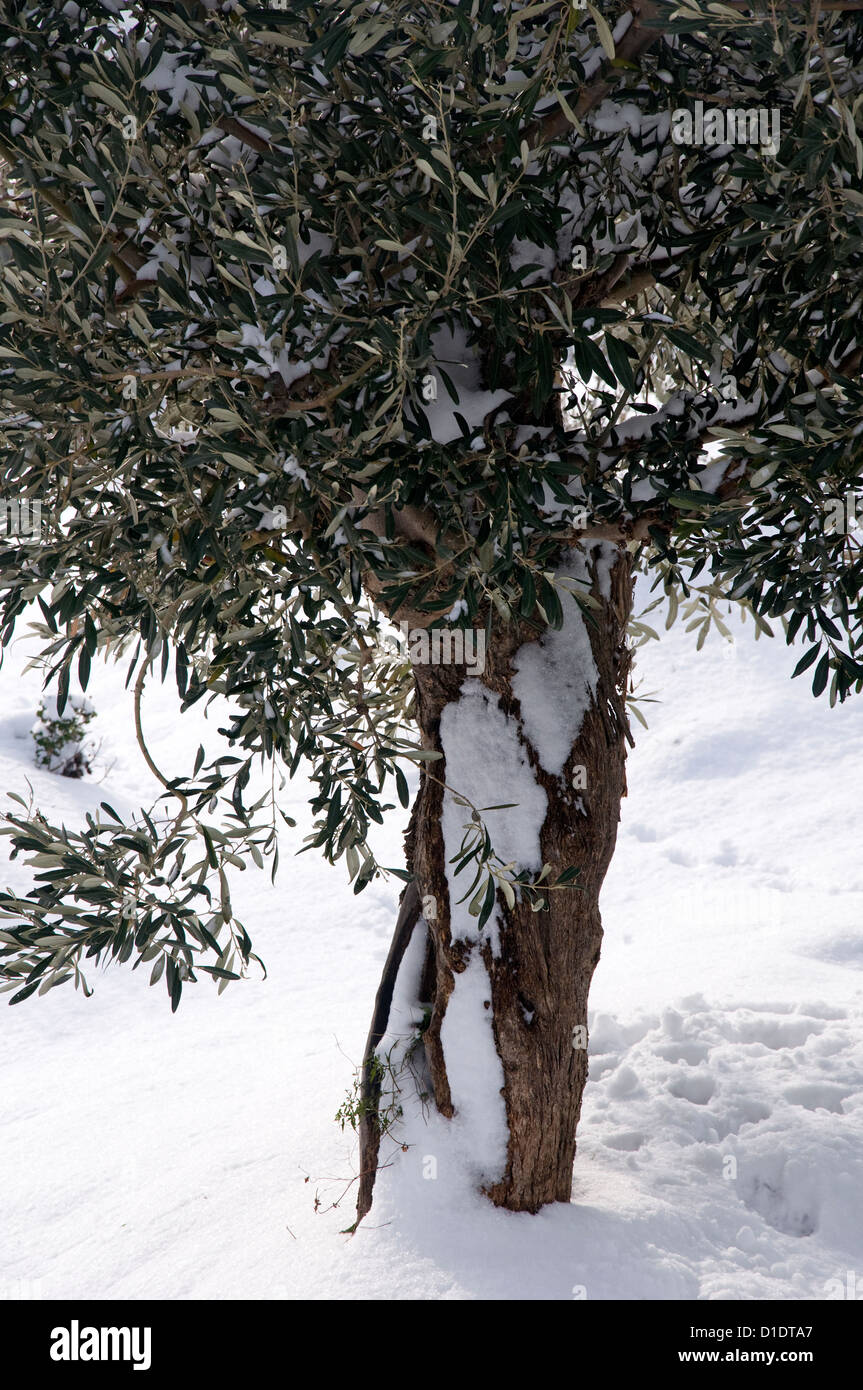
point(406, 1012)
point(486, 763)
point(475, 1072)
point(605, 554)
point(556, 677)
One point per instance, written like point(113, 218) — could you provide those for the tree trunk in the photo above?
point(543, 726)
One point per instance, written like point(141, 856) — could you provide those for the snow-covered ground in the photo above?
point(721, 1144)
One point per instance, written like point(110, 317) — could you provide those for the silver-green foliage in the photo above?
point(232, 239)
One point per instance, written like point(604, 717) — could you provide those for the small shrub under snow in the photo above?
point(62, 743)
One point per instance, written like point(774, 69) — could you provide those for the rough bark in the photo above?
point(541, 972)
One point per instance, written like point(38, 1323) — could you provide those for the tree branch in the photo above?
point(628, 289)
point(231, 126)
point(369, 1127)
point(636, 41)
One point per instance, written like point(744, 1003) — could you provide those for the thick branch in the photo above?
point(231, 126)
point(370, 1090)
point(628, 289)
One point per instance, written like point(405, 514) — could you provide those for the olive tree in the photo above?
point(323, 322)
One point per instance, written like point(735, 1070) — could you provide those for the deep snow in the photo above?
point(151, 1155)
